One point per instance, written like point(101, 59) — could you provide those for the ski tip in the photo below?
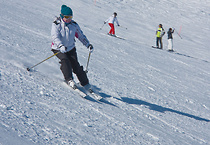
point(100, 99)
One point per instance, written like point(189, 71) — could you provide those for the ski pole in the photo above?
point(179, 35)
point(102, 27)
point(86, 70)
point(29, 68)
point(123, 27)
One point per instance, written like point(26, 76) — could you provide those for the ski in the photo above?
point(171, 50)
point(119, 37)
point(82, 94)
point(116, 36)
point(96, 96)
point(78, 91)
point(163, 49)
point(156, 47)
point(85, 92)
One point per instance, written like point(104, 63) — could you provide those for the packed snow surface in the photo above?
point(150, 96)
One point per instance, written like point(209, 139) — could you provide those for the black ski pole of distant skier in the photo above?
point(124, 27)
point(86, 70)
point(102, 27)
point(29, 68)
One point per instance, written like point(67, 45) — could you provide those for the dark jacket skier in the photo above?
point(170, 39)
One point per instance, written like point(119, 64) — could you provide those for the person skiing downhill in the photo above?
point(170, 39)
point(63, 33)
point(111, 21)
point(159, 34)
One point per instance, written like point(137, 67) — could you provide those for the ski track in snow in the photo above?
point(149, 96)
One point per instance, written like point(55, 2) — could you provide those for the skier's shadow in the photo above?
point(191, 57)
point(159, 108)
point(97, 90)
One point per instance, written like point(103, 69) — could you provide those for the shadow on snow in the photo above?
point(159, 108)
point(97, 90)
point(191, 57)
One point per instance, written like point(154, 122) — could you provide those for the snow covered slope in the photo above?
point(150, 96)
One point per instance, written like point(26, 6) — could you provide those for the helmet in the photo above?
point(115, 13)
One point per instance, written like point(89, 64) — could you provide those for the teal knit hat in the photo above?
point(66, 11)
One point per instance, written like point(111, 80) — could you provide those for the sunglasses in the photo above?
point(67, 16)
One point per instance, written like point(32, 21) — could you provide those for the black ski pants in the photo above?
point(69, 62)
point(159, 40)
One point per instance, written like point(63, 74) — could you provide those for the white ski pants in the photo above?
point(170, 44)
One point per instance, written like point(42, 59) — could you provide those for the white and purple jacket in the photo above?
point(63, 34)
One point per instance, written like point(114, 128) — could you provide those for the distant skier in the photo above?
point(63, 33)
point(159, 34)
point(111, 21)
point(170, 39)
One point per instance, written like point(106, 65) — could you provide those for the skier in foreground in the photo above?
point(170, 39)
point(159, 34)
point(111, 21)
point(63, 33)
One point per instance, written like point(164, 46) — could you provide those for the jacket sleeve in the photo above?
point(82, 38)
point(162, 33)
point(55, 34)
point(107, 20)
point(117, 21)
